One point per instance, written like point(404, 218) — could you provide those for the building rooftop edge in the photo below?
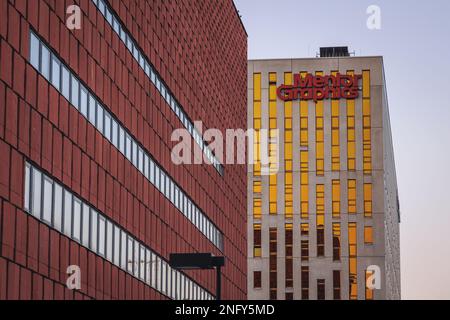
point(239, 16)
point(314, 58)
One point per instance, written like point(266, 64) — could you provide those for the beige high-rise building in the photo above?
point(323, 211)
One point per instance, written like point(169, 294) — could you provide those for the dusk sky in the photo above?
point(413, 40)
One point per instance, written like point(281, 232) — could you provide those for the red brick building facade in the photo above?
point(86, 176)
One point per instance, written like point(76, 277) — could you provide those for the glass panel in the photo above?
point(34, 51)
point(153, 270)
point(57, 207)
point(75, 92)
point(121, 140)
point(36, 193)
point(140, 160)
point(123, 253)
point(153, 76)
point(67, 213)
point(114, 133)
point(56, 72)
point(130, 252)
point(76, 219)
point(84, 102)
point(107, 131)
point(152, 171)
point(26, 193)
point(45, 62)
point(147, 266)
point(136, 259)
point(65, 83)
point(85, 226)
point(128, 147)
point(94, 230)
point(92, 109)
point(100, 118)
point(101, 235)
point(142, 263)
point(109, 240)
point(116, 245)
point(146, 166)
point(47, 208)
point(134, 153)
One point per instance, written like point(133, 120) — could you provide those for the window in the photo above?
point(76, 225)
point(336, 198)
point(352, 196)
point(114, 132)
point(351, 139)
point(84, 102)
point(37, 194)
point(134, 153)
point(121, 140)
point(140, 160)
point(92, 109)
point(56, 72)
point(100, 118)
point(148, 266)
point(47, 195)
point(142, 262)
point(289, 283)
point(85, 226)
point(320, 219)
point(74, 99)
point(34, 51)
point(123, 250)
point(152, 172)
point(367, 139)
point(67, 213)
point(45, 62)
point(368, 235)
point(94, 230)
point(336, 285)
point(130, 255)
point(109, 240)
point(273, 263)
point(305, 282)
point(304, 177)
point(136, 260)
point(128, 147)
point(27, 191)
point(304, 229)
point(65, 83)
point(116, 245)
point(369, 291)
point(320, 289)
point(352, 249)
point(57, 207)
point(107, 126)
point(304, 247)
point(336, 241)
point(320, 147)
point(368, 200)
point(101, 235)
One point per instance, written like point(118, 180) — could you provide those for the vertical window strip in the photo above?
point(320, 219)
point(320, 145)
point(273, 281)
point(85, 101)
point(336, 198)
point(91, 229)
point(257, 240)
point(351, 134)
point(304, 181)
point(288, 154)
point(150, 71)
point(335, 145)
point(367, 131)
point(289, 283)
point(352, 253)
point(272, 146)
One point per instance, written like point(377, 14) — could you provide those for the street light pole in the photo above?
point(200, 261)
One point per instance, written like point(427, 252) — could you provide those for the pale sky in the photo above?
point(414, 40)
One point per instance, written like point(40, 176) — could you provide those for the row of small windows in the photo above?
point(88, 105)
point(59, 208)
point(130, 43)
